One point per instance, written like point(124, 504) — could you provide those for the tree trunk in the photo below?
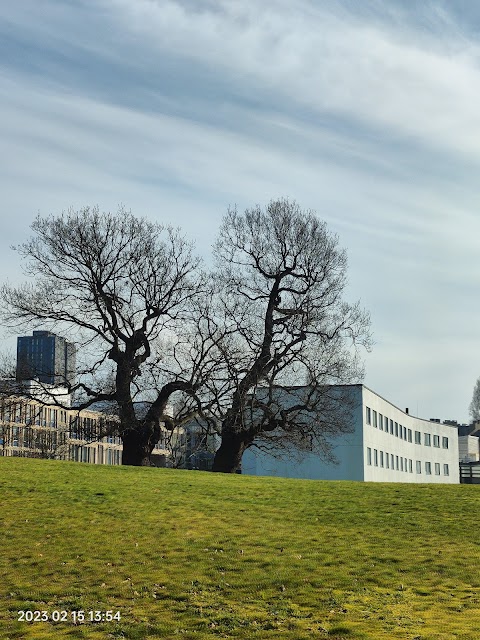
point(136, 448)
point(228, 458)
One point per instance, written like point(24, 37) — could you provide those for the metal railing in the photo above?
point(470, 473)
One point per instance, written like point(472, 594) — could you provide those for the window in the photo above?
point(427, 442)
point(418, 466)
point(410, 435)
point(436, 441)
point(418, 437)
point(410, 466)
point(368, 415)
point(381, 458)
point(405, 465)
point(392, 461)
point(404, 433)
point(380, 422)
point(375, 419)
point(428, 468)
point(401, 463)
point(437, 468)
point(396, 429)
point(445, 445)
point(396, 463)
point(387, 460)
point(369, 456)
point(375, 457)
point(445, 470)
point(391, 427)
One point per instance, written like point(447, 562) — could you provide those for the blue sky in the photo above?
point(367, 112)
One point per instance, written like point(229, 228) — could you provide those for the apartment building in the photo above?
point(33, 429)
point(29, 428)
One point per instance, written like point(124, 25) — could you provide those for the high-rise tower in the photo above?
point(46, 357)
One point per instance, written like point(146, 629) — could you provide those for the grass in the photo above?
point(193, 555)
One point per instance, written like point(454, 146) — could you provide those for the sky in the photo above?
point(366, 112)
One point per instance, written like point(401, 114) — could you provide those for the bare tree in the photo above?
point(474, 407)
point(7, 376)
point(120, 287)
point(289, 334)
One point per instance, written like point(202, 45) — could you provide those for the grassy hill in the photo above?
point(183, 554)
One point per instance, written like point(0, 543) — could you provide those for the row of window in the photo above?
point(79, 453)
point(31, 414)
point(399, 463)
point(35, 438)
point(23, 413)
point(381, 422)
point(31, 438)
point(80, 427)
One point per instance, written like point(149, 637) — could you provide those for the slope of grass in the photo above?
point(192, 555)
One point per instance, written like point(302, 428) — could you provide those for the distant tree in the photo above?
point(7, 373)
point(123, 289)
point(289, 333)
point(475, 403)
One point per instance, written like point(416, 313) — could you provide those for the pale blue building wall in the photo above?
point(349, 451)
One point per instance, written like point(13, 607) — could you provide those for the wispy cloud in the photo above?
point(366, 112)
point(399, 78)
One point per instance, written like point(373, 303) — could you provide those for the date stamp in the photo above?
point(76, 617)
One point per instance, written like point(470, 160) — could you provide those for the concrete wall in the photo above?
point(348, 449)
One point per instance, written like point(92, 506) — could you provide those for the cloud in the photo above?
point(405, 81)
point(365, 112)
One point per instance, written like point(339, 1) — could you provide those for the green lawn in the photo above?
point(192, 555)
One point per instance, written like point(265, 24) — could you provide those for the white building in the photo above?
point(385, 444)
point(46, 393)
point(468, 448)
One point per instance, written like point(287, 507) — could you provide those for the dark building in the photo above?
point(46, 357)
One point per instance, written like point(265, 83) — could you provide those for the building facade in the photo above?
point(31, 429)
point(385, 444)
point(468, 448)
point(46, 357)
